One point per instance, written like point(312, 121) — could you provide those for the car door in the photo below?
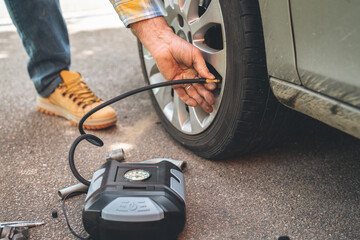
point(327, 43)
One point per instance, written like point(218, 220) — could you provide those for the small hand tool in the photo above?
point(21, 224)
point(16, 230)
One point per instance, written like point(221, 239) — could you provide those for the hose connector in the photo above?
point(213, 81)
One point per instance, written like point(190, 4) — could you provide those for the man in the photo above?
point(64, 93)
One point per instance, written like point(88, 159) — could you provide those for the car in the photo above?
point(273, 57)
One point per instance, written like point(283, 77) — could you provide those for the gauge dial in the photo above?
point(137, 175)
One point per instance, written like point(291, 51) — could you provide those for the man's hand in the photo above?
point(177, 59)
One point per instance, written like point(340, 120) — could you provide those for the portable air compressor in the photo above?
point(127, 201)
point(135, 201)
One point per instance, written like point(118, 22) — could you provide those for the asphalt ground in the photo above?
point(306, 188)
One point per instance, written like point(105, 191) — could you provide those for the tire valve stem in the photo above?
point(213, 81)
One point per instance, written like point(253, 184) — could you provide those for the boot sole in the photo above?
point(93, 124)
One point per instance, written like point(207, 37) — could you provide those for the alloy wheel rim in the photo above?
point(199, 22)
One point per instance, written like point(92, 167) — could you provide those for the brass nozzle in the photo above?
point(212, 81)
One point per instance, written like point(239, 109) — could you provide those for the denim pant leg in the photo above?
point(43, 31)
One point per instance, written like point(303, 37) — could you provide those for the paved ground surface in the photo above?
point(307, 188)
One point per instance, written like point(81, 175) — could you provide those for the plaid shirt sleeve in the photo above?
point(131, 11)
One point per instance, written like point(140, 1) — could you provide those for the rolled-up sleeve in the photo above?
point(131, 11)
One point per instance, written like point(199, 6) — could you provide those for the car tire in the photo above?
point(249, 117)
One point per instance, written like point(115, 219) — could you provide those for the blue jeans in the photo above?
point(43, 31)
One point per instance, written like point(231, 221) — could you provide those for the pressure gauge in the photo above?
point(137, 175)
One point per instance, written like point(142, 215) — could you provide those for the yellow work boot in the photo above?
point(72, 99)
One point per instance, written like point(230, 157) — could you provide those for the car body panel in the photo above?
point(327, 42)
point(328, 110)
point(313, 58)
point(280, 55)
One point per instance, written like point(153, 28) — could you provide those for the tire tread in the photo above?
point(256, 133)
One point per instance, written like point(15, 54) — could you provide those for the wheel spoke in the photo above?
point(195, 119)
point(163, 96)
point(162, 6)
point(180, 115)
point(175, 117)
point(191, 9)
point(150, 65)
point(211, 17)
point(168, 3)
point(217, 58)
point(169, 110)
point(156, 78)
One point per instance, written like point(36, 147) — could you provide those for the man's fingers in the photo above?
point(205, 94)
point(185, 97)
point(210, 86)
point(192, 98)
point(203, 103)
